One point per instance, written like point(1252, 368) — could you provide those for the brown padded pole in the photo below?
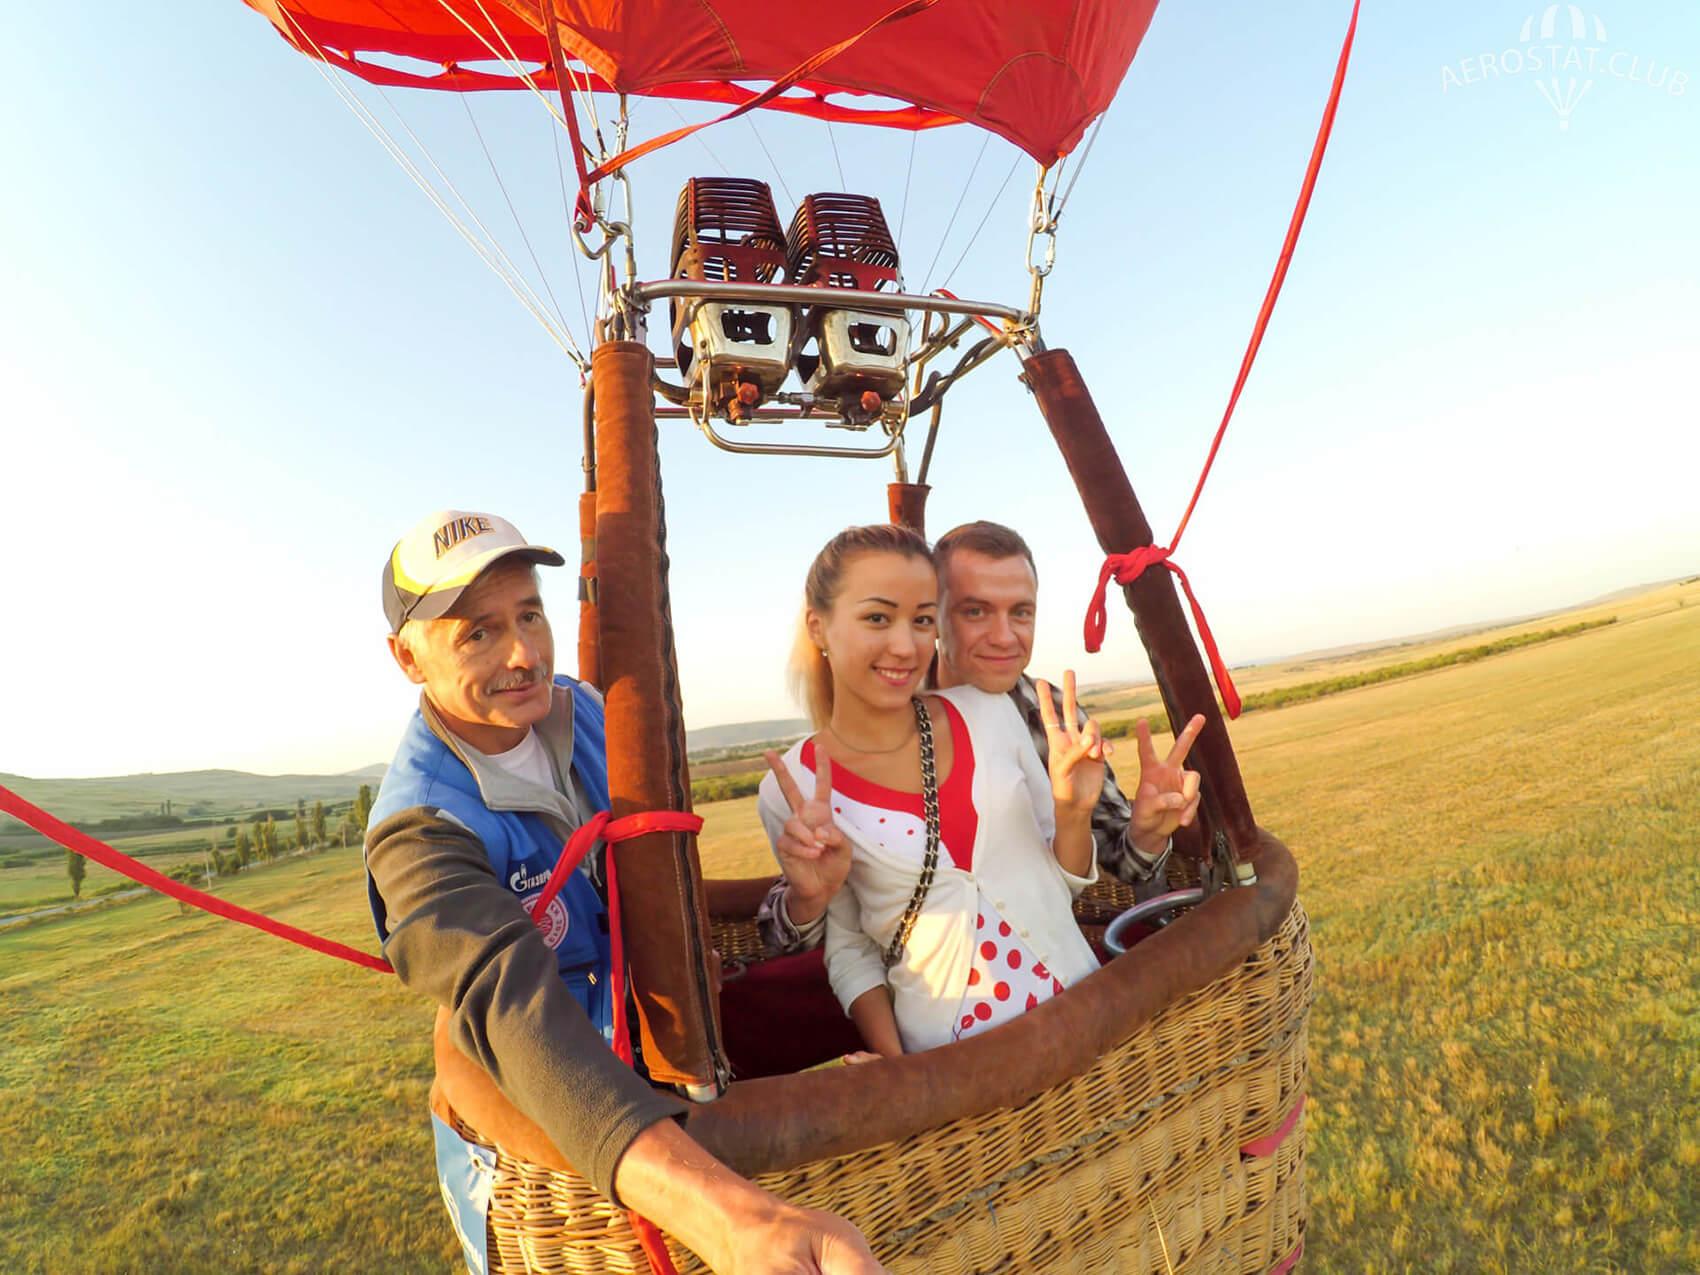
point(665, 918)
point(589, 623)
point(1120, 526)
point(779, 1122)
point(907, 503)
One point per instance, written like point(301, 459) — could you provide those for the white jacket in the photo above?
point(1011, 862)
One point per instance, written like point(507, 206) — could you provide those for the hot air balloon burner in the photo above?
point(733, 355)
point(851, 359)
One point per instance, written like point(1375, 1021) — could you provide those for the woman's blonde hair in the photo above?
point(810, 674)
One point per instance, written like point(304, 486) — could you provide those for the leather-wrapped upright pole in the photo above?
point(665, 917)
point(589, 622)
point(1120, 526)
point(907, 504)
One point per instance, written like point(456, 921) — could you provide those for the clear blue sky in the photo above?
point(239, 354)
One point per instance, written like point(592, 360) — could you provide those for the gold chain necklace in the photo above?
point(872, 752)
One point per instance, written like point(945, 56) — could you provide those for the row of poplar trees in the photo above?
point(245, 843)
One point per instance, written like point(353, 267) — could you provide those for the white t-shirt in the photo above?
point(528, 760)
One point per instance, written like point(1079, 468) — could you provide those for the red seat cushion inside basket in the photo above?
point(780, 1016)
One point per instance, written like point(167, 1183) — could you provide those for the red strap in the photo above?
point(600, 825)
point(1126, 567)
point(1266, 1145)
point(1289, 1262)
point(649, 1236)
point(578, 845)
point(604, 827)
point(981, 319)
point(799, 72)
point(103, 854)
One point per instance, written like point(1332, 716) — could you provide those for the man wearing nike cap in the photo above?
point(502, 761)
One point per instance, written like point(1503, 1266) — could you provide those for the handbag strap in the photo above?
point(930, 807)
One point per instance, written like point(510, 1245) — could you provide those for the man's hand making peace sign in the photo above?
point(1167, 795)
point(813, 853)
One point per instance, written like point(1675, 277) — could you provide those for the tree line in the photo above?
point(260, 839)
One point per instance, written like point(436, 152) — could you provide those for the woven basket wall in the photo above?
point(1134, 1166)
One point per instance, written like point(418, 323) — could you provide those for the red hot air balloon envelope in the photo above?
point(1032, 71)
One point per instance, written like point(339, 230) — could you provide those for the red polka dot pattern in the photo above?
point(1004, 979)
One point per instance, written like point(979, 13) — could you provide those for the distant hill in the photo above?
point(204, 794)
point(192, 793)
point(743, 734)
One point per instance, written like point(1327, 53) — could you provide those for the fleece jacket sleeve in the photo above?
point(460, 937)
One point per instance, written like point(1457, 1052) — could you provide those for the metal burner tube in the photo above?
point(838, 298)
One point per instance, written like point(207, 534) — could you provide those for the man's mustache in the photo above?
point(515, 680)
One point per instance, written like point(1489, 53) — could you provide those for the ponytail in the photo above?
point(810, 675)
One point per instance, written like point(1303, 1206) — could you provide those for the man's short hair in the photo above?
point(992, 539)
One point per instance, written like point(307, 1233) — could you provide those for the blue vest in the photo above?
point(519, 844)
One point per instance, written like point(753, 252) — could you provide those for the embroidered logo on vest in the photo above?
point(555, 920)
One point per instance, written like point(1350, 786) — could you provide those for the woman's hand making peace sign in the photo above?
point(813, 853)
point(1076, 753)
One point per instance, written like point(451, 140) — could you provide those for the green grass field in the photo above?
point(1499, 862)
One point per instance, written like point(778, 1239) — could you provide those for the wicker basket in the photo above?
point(1144, 1163)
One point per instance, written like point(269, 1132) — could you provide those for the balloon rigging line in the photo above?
point(567, 209)
point(1080, 166)
point(969, 246)
point(750, 119)
point(908, 175)
point(512, 211)
point(718, 162)
point(511, 62)
point(836, 162)
point(375, 127)
point(951, 224)
point(512, 276)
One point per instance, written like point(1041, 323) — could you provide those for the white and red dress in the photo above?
point(996, 935)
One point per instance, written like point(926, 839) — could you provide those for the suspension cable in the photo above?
point(1079, 167)
point(908, 176)
point(511, 60)
point(968, 247)
point(375, 127)
point(512, 211)
point(750, 119)
point(512, 276)
point(951, 224)
point(836, 162)
point(567, 208)
point(679, 115)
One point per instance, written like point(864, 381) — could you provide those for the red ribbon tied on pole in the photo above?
point(1128, 567)
point(1125, 568)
